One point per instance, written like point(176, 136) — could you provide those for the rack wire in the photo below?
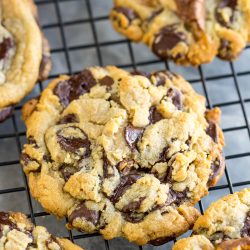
point(226, 85)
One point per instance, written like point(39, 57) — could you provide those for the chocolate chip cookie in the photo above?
point(125, 154)
point(24, 52)
point(224, 226)
point(18, 233)
point(185, 31)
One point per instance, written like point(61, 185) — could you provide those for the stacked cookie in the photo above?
point(186, 31)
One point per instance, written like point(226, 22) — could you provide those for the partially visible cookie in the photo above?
point(185, 31)
point(224, 226)
point(123, 154)
point(24, 52)
point(18, 233)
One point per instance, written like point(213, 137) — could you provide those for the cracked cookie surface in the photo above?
point(224, 226)
point(18, 233)
point(125, 154)
point(185, 31)
point(24, 52)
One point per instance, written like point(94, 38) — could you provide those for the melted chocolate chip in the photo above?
point(107, 81)
point(154, 15)
point(232, 4)
point(26, 159)
point(167, 38)
point(212, 131)
point(132, 135)
point(161, 241)
point(216, 167)
point(140, 73)
point(67, 171)
point(175, 95)
point(154, 115)
point(70, 118)
point(74, 87)
point(161, 77)
point(47, 158)
point(129, 211)
point(130, 14)
point(5, 46)
point(82, 211)
point(125, 182)
point(245, 231)
point(176, 198)
point(5, 220)
point(108, 170)
point(6, 113)
point(73, 144)
point(132, 206)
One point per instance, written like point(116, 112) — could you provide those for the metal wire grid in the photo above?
point(17, 134)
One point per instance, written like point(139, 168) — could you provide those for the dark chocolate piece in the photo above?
point(175, 95)
point(125, 182)
point(161, 241)
point(212, 131)
point(245, 231)
point(67, 171)
point(130, 14)
point(107, 81)
point(74, 87)
point(132, 135)
point(154, 115)
point(6, 113)
point(82, 211)
point(167, 38)
point(70, 118)
point(5, 46)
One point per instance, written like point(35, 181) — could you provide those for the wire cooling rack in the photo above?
point(80, 35)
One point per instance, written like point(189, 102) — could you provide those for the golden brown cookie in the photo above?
point(185, 31)
point(24, 52)
point(18, 233)
point(224, 226)
point(123, 154)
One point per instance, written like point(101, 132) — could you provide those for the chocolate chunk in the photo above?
point(218, 236)
point(192, 12)
point(216, 168)
point(154, 15)
point(45, 67)
point(132, 135)
point(133, 206)
point(82, 211)
point(6, 113)
point(232, 4)
point(67, 171)
point(74, 87)
point(242, 243)
point(176, 198)
point(130, 14)
point(26, 159)
point(154, 115)
point(175, 95)
point(73, 144)
point(5, 220)
point(108, 170)
point(167, 38)
point(161, 76)
point(161, 241)
point(140, 73)
point(245, 231)
point(5, 46)
point(125, 182)
point(212, 131)
point(70, 118)
point(107, 81)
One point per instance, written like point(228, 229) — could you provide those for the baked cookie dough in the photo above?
point(224, 226)
point(24, 52)
point(186, 31)
point(18, 233)
point(125, 154)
